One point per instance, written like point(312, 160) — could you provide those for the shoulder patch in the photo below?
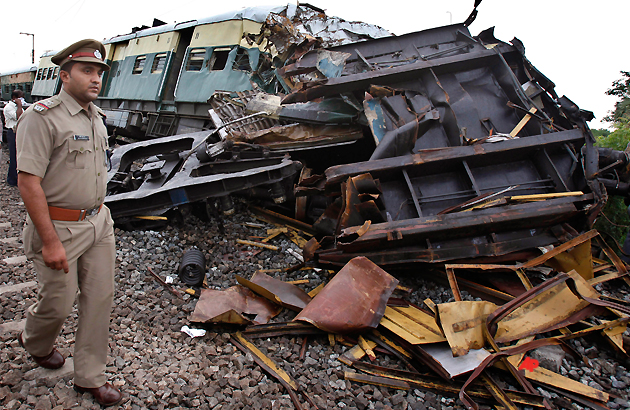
point(98, 109)
point(44, 105)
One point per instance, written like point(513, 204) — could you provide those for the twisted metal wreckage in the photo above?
point(435, 147)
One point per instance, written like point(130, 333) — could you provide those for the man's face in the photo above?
point(18, 97)
point(83, 82)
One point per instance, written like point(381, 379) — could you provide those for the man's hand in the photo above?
point(55, 256)
point(53, 252)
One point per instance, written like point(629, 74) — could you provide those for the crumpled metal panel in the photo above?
point(545, 311)
point(277, 291)
point(463, 323)
point(235, 305)
point(353, 301)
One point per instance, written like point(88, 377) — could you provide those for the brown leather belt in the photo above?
point(63, 214)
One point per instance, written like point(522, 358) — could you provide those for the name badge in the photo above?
point(81, 137)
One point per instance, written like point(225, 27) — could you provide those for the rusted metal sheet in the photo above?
point(414, 190)
point(353, 301)
point(236, 305)
point(463, 322)
point(277, 291)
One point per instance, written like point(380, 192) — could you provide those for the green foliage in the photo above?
point(615, 220)
point(601, 132)
point(620, 88)
point(618, 139)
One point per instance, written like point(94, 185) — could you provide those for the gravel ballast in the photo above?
point(156, 366)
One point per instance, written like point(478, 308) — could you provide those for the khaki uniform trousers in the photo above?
point(90, 250)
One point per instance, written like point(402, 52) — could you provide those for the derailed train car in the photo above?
point(163, 76)
point(476, 155)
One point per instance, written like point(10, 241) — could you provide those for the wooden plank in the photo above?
point(367, 348)
point(426, 329)
point(523, 122)
point(356, 353)
point(266, 360)
point(542, 197)
point(423, 319)
point(401, 332)
point(315, 291)
point(375, 380)
point(258, 244)
point(391, 344)
point(542, 375)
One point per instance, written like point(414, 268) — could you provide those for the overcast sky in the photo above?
point(580, 45)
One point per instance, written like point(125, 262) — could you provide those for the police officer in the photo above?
point(62, 176)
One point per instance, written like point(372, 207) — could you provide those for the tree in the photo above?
point(600, 132)
point(621, 89)
point(615, 220)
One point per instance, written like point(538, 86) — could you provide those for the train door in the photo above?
point(184, 41)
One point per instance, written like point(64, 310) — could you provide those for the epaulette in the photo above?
point(98, 110)
point(44, 105)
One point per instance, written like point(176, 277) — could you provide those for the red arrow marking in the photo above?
point(529, 364)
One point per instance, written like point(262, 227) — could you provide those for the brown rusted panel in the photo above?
point(277, 291)
point(353, 301)
point(349, 215)
point(484, 221)
point(508, 250)
point(234, 305)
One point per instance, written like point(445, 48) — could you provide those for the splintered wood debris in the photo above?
point(461, 347)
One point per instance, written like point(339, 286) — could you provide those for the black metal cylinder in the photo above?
point(192, 268)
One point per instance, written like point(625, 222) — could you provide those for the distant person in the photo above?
point(69, 233)
point(12, 112)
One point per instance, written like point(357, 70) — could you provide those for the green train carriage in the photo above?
point(162, 77)
point(20, 79)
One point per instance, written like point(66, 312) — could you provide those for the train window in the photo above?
point(55, 73)
point(195, 59)
point(219, 58)
point(138, 65)
point(51, 70)
point(39, 74)
point(28, 87)
point(158, 63)
point(241, 62)
point(44, 73)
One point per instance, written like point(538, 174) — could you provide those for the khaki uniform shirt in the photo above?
point(65, 145)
